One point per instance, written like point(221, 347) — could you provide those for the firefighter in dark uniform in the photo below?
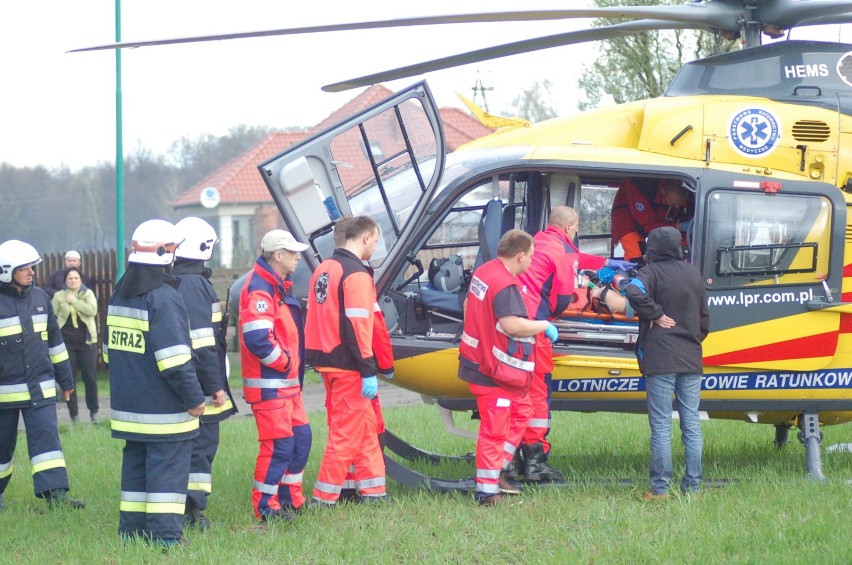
point(155, 398)
point(207, 331)
point(32, 359)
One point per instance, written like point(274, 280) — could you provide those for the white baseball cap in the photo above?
point(280, 239)
point(72, 254)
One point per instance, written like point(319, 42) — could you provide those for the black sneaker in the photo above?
point(58, 498)
point(280, 515)
point(376, 499)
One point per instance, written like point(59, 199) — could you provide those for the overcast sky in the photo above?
point(59, 108)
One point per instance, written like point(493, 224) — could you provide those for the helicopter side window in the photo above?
point(754, 238)
point(377, 181)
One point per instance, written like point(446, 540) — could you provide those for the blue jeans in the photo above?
point(687, 389)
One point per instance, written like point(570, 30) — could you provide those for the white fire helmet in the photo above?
point(15, 254)
point(199, 238)
point(154, 243)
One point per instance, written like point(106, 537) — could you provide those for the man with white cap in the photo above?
point(272, 345)
point(56, 281)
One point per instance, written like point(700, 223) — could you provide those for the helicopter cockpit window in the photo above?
point(458, 233)
point(754, 238)
point(397, 159)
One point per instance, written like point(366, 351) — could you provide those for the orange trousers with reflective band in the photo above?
point(503, 419)
point(352, 440)
point(349, 481)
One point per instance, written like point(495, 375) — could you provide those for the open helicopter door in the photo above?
point(385, 162)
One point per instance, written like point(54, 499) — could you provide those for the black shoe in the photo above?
point(195, 518)
point(280, 515)
point(349, 495)
point(536, 468)
point(380, 499)
point(58, 498)
point(94, 417)
point(317, 504)
point(168, 544)
point(2, 504)
point(515, 470)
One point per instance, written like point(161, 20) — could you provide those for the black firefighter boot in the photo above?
point(537, 470)
point(515, 470)
point(58, 498)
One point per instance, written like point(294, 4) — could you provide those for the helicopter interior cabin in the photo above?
point(743, 242)
point(433, 286)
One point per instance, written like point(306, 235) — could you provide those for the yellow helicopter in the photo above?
point(759, 136)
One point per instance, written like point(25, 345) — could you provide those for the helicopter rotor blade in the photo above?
point(712, 14)
point(507, 49)
point(791, 13)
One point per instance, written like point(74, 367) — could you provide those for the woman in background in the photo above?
point(76, 309)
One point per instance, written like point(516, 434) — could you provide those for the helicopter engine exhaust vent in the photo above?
point(809, 130)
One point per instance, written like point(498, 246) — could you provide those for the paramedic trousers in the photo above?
point(352, 440)
point(539, 425)
point(285, 444)
point(503, 419)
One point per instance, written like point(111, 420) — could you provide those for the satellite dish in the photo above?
point(210, 197)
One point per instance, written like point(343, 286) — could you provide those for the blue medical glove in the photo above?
point(551, 333)
point(369, 387)
point(684, 226)
point(620, 264)
point(387, 376)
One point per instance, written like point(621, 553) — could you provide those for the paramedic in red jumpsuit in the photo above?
point(641, 205)
point(550, 287)
point(497, 359)
point(340, 344)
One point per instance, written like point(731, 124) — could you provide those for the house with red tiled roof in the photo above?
point(235, 201)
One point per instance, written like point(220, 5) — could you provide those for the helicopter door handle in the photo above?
point(682, 132)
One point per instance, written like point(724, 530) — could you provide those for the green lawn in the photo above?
point(769, 514)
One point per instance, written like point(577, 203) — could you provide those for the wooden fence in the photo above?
point(100, 265)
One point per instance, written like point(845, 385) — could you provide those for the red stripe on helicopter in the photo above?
point(820, 345)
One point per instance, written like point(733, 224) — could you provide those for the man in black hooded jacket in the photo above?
point(669, 298)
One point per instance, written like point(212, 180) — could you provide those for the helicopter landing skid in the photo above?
point(411, 453)
point(811, 438)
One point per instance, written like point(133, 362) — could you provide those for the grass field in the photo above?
point(768, 514)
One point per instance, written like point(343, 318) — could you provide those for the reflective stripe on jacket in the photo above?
point(33, 357)
point(151, 374)
point(205, 324)
point(508, 361)
point(339, 329)
point(271, 340)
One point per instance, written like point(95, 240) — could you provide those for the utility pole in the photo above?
point(119, 154)
point(480, 89)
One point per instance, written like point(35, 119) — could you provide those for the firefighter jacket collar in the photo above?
point(191, 267)
point(14, 290)
point(139, 279)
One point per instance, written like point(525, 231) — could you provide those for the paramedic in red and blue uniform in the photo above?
point(272, 350)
